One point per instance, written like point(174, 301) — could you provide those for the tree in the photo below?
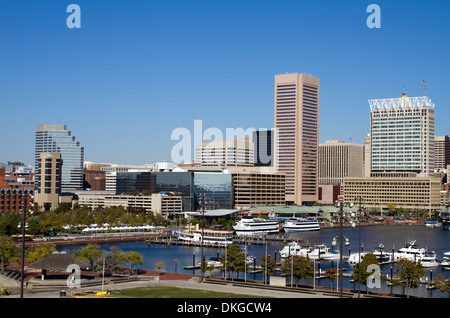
point(233, 259)
point(443, 284)
point(362, 275)
point(411, 273)
point(37, 252)
point(134, 258)
point(299, 267)
point(8, 252)
point(332, 274)
point(271, 266)
point(90, 253)
point(9, 223)
point(114, 261)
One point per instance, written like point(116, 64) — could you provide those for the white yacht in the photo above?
point(353, 258)
point(446, 261)
point(213, 261)
point(250, 226)
point(415, 254)
point(300, 224)
point(429, 260)
point(295, 249)
point(214, 237)
point(323, 252)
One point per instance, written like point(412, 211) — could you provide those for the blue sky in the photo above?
point(136, 70)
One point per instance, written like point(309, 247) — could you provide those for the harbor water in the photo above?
point(175, 258)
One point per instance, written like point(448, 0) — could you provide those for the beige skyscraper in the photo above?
point(297, 134)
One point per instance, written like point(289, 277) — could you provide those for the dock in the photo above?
point(248, 240)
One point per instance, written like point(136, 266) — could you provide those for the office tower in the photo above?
point(442, 152)
point(367, 156)
point(48, 180)
point(263, 141)
point(338, 160)
point(223, 153)
point(56, 138)
point(297, 130)
point(402, 134)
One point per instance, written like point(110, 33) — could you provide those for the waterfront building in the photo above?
point(402, 134)
point(224, 153)
point(48, 180)
point(441, 152)
point(338, 160)
point(166, 204)
point(404, 189)
point(258, 186)
point(12, 193)
point(328, 193)
point(367, 156)
point(297, 129)
point(57, 139)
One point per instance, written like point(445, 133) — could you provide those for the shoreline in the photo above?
point(78, 239)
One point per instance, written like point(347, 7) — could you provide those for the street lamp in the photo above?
point(360, 198)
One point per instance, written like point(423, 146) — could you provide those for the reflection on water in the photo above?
point(175, 258)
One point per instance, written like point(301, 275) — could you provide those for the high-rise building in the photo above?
point(297, 133)
point(338, 160)
point(264, 143)
point(223, 153)
point(56, 138)
point(441, 152)
point(402, 134)
point(48, 180)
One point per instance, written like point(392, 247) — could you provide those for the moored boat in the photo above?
point(251, 226)
point(300, 224)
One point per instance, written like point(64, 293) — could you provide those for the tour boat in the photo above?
point(300, 224)
point(250, 226)
point(211, 237)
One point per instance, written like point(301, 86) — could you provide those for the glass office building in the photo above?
point(56, 138)
point(217, 188)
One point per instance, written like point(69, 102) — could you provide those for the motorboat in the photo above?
point(213, 261)
point(381, 255)
point(300, 224)
point(429, 260)
point(323, 252)
point(353, 258)
point(295, 249)
point(251, 226)
point(415, 254)
point(446, 260)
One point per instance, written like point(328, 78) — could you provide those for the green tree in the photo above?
point(362, 275)
point(233, 259)
point(9, 223)
point(90, 253)
point(37, 252)
point(299, 267)
point(134, 258)
point(8, 252)
point(410, 274)
point(270, 265)
point(332, 274)
point(443, 284)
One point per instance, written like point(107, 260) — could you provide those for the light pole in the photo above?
point(359, 246)
point(202, 196)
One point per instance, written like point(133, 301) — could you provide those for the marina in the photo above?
point(185, 257)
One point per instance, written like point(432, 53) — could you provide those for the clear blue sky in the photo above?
point(136, 70)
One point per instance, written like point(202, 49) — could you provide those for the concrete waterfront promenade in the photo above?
point(173, 280)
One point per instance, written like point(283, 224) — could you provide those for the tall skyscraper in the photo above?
point(402, 134)
point(442, 152)
point(339, 160)
point(48, 180)
point(56, 138)
point(297, 134)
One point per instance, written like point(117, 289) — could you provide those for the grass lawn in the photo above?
point(172, 292)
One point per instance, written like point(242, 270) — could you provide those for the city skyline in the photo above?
point(133, 73)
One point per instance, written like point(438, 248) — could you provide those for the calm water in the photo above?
point(174, 258)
